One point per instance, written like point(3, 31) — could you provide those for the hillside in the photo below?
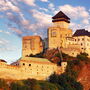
point(82, 67)
point(84, 76)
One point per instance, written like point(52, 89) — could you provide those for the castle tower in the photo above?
point(31, 45)
point(59, 31)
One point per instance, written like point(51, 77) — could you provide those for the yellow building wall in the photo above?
point(29, 69)
point(57, 37)
point(31, 45)
point(84, 42)
point(61, 24)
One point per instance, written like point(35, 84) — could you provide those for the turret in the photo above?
point(61, 20)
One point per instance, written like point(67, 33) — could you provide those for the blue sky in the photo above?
point(19, 18)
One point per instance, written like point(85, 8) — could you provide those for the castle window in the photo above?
point(66, 35)
point(37, 73)
point(78, 39)
point(82, 39)
point(53, 33)
point(23, 64)
point(60, 36)
point(29, 64)
point(81, 44)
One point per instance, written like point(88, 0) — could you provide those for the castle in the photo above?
point(59, 36)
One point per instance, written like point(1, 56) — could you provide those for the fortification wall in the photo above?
point(37, 71)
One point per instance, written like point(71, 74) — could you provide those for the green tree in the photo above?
point(82, 56)
point(67, 82)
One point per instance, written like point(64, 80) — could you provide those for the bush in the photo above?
point(19, 86)
point(3, 84)
point(67, 82)
point(82, 56)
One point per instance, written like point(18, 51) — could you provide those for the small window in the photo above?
point(82, 39)
point(78, 39)
point(81, 44)
point(37, 73)
point(29, 64)
point(53, 33)
point(60, 36)
point(23, 64)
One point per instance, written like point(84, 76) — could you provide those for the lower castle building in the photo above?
point(30, 67)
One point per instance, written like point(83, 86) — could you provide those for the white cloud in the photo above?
point(3, 42)
point(44, 0)
point(51, 6)
point(43, 20)
point(29, 2)
point(85, 21)
point(44, 9)
point(15, 30)
point(41, 17)
point(74, 12)
point(5, 32)
point(7, 5)
point(12, 7)
point(74, 26)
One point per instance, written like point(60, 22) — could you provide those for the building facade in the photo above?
point(82, 38)
point(31, 45)
point(30, 67)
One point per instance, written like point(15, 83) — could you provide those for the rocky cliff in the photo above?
point(84, 76)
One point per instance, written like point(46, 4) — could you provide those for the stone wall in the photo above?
point(57, 37)
point(31, 45)
point(30, 69)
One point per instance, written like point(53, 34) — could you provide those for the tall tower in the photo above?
point(59, 31)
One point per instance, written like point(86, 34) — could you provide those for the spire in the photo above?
point(60, 16)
